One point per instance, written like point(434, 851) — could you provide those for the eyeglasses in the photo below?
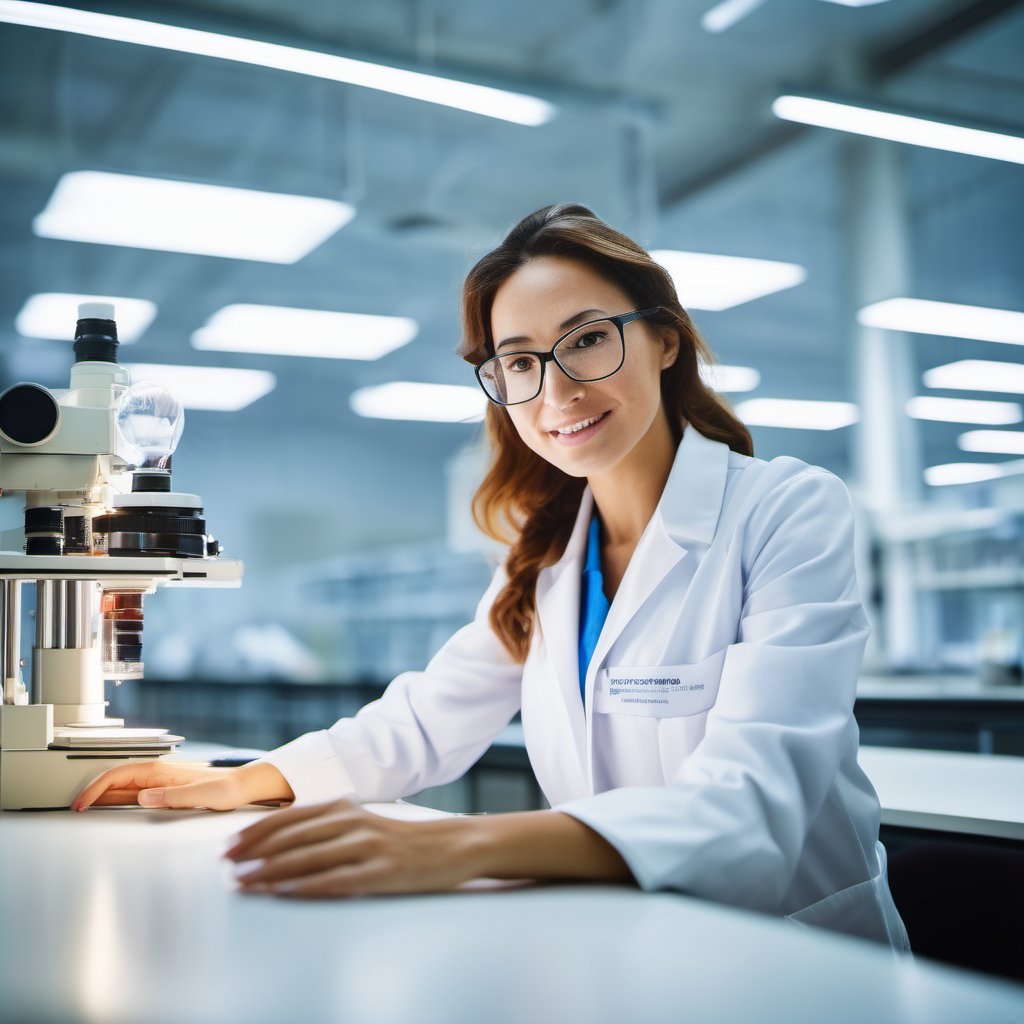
point(590, 352)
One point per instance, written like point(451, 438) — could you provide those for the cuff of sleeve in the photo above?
point(311, 766)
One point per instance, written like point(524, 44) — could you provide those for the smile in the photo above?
point(578, 432)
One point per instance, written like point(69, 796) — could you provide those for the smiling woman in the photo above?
point(677, 621)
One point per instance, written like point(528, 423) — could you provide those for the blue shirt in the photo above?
point(593, 603)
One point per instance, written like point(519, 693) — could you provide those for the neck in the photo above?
point(627, 495)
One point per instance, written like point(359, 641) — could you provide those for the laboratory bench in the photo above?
point(128, 915)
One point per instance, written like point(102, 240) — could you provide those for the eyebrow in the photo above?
point(565, 325)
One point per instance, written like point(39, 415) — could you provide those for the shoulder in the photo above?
point(767, 491)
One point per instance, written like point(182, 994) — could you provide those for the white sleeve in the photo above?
point(426, 729)
point(730, 826)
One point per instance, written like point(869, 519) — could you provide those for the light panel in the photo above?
point(477, 99)
point(798, 414)
point(999, 442)
point(727, 13)
point(881, 123)
point(406, 400)
point(948, 319)
point(977, 375)
point(323, 334)
point(723, 378)
point(964, 410)
point(713, 282)
point(212, 388)
point(54, 315)
point(188, 216)
point(960, 473)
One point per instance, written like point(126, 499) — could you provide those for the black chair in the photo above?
point(963, 904)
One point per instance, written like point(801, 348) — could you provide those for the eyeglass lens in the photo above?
point(589, 353)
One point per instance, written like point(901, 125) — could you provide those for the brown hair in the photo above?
point(525, 501)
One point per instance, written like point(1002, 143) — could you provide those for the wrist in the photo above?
point(260, 781)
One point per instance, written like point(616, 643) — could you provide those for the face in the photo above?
point(531, 307)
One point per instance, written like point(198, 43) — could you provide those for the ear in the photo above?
point(670, 347)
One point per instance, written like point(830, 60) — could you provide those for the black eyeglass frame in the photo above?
point(620, 320)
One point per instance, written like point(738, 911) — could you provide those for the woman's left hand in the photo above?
point(339, 849)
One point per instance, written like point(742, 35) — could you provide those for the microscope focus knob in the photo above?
point(29, 414)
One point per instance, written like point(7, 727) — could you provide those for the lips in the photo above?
point(578, 426)
point(582, 434)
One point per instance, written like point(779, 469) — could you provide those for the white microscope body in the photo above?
point(102, 529)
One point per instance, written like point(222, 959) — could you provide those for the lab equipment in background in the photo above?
point(102, 528)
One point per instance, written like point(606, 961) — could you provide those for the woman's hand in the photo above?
point(178, 784)
point(339, 849)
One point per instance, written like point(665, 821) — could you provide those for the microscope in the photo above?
point(101, 529)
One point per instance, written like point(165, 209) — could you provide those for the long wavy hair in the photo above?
point(524, 501)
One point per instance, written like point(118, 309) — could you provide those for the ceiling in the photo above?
point(664, 129)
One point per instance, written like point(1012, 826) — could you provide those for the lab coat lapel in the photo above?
point(558, 608)
point(689, 509)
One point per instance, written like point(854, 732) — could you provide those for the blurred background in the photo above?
point(283, 215)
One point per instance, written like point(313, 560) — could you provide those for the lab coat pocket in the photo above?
point(660, 691)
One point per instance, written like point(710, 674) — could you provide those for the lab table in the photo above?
point(128, 916)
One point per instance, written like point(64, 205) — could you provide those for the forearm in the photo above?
point(540, 844)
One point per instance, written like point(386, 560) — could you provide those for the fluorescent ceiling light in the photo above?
point(727, 13)
point(796, 413)
point(405, 400)
point(477, 99)
point(977, 375)
point(206, 387)
point(280, 330)
point(923, 316)
point(706, 281)
point(856, 3)
point(964, 410)
point(730, 378)
point(187, 216)
point(54, 315)
point(999, 442)
point(886, 124)
point(961, 473)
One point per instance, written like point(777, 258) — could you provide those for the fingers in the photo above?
point(241, 846)
point(221, 794)
point(306, 832)
point(125, 779)
point(355, 879)
point(356, 847)
point(123, 784)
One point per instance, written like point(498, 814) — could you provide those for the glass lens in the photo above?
point(511, 378)
point(591, 351)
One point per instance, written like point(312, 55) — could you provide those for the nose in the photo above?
point(559, 390)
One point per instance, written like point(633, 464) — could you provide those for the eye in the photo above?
point(589, 339)
point(523, 363)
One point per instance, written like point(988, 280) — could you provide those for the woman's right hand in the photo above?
point(181, 784)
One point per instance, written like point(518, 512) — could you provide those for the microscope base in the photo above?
point(50, 779)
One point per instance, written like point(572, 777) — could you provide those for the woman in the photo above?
point(677, 621)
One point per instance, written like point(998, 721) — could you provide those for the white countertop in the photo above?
point(934, 687)
point(979, 794)
point(124, 916)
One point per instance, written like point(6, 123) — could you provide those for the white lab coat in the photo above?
point(749, 794)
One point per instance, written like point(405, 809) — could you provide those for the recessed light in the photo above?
point(963, 410)
point(212, 388)
point(923, 316)
point(887, 123)
point(324, 334)
point(710, 281)
point(477, 99)
point(188, 216)
point(799, 414)
point(406, 400)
